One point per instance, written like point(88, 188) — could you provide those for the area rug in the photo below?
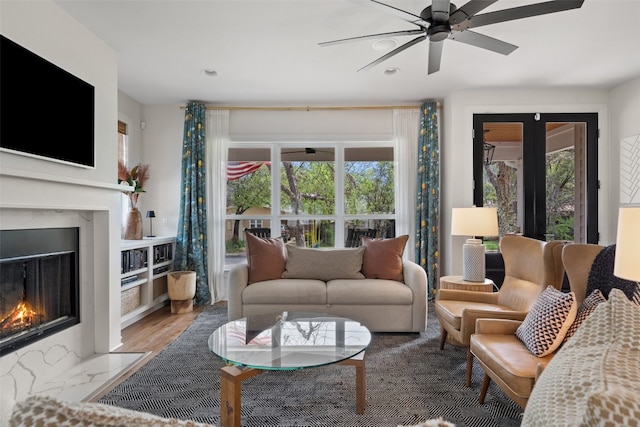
point(408, 380)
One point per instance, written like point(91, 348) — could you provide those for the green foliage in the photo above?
point(234, 246)
point(500, 190)
point(561, 194)
point(369, 187)
point(253, 190)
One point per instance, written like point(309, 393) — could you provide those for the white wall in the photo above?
point(162, 150)
point(625, 122)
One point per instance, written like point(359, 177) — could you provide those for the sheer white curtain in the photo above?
point(406, 125)
point(217, 135)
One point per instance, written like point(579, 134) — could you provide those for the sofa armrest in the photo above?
point(497, 326)
point(461, 295)
point(236, 282)
point(416, 278)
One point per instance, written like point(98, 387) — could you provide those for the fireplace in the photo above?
point(39, 284)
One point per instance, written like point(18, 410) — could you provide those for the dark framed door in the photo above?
point(540, 171)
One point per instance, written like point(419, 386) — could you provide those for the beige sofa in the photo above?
point(370, 284)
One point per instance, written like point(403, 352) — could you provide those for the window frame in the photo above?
point(340, 218)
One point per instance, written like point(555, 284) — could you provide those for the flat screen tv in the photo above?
point(45, 111)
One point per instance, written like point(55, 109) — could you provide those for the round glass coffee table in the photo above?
point(285, 341)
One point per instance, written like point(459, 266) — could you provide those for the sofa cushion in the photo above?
point(266, 258)
point(304, 263)
point(546, 324)
point(383, 258)
point(286, 291)
point(368, 292)
point(586, 308)
point(450, 311)
point(599, 364)
point(45, 411)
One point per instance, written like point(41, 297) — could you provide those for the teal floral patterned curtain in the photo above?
point(191, 240)
point(428, 197)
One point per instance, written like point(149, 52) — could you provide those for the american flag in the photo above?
point(236, 170)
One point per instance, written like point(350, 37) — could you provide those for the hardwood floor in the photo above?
point(156, 331)
point(150, 335)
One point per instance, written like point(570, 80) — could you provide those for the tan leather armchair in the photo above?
point(503, 357)
point(525, 275)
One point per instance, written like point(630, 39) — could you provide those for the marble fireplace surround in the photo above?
point(64, 363)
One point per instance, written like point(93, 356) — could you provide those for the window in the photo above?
point(316, 195)
point(123, 156)
point(122, 142)
point(255, 223)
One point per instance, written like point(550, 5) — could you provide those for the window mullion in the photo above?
point(275, 190)
point(339, 192)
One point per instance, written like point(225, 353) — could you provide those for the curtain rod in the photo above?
point(308, 108)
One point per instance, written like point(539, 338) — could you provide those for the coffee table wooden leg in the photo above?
point(231, 378)
point(361, 388)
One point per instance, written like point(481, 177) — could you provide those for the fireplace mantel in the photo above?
point(30, 200)
point(38, 176)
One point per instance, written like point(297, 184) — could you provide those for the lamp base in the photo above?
point(473, 261)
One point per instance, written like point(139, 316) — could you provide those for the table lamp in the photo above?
point(474, 222)
point(151, 215)
point(627, 262)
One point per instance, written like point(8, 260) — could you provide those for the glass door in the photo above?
point(540, 172)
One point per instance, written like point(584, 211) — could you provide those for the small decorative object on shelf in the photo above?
point(151, 215)
point(135, 177)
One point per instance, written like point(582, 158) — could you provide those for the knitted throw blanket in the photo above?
point(601, 275)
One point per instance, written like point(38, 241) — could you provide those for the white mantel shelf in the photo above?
point(38, 176)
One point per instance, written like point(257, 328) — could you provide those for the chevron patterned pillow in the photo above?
point(546, 324)
point(635, 298)
point(586, 308)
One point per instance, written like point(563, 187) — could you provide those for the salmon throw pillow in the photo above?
point(383, 258)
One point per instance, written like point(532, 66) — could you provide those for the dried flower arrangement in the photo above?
point(136, 177)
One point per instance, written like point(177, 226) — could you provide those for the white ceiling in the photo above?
point(266, 52)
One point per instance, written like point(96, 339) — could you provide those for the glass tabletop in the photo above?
point(289, 340)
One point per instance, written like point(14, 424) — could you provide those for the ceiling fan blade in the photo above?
point(469, 9)
point(440, 10)
point(435, 55)
point(373, 36)
point(402, 14)
point(485, 42)
point(518, 13)
point(394, 52)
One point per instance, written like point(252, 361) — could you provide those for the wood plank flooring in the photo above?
point(150, 335)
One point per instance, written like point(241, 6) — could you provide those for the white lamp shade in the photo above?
point(474, 221)
point(627, 263)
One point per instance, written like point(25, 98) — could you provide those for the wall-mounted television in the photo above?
point(45, 111)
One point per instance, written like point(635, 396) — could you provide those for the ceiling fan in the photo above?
point(444, 21)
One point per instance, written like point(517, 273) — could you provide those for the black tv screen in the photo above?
point(45, 111)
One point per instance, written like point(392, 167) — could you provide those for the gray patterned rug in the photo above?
point(408, 380)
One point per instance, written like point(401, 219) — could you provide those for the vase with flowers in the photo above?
point(137, 178)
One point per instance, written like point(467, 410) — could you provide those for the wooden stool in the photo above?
point(182, 289)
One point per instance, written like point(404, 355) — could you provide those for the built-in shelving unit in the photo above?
point(145, 265)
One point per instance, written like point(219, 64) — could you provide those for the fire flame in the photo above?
point(21, 317)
